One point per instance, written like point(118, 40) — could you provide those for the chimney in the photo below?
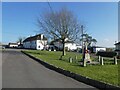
point(41, 36)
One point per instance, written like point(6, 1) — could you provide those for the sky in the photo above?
point(100, 19)
point(119, 22)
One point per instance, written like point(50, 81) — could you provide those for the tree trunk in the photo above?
point(63, 41)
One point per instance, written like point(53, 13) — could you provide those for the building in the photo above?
point(13, 45)
point(69, 45)
point(95, 49)
point(117, 48)
point(35, 42)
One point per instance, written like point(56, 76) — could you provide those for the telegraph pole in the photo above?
point(83, 52)
point(82, 41)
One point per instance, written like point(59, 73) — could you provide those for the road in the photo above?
point(20, 71)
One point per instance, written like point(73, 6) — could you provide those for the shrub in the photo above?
point(118, 57)
point(106, 54)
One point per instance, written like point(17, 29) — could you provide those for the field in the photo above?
point(107, 73)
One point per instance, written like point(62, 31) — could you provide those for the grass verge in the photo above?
point(106, 73)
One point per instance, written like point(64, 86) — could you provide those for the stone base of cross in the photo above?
point(87, 57)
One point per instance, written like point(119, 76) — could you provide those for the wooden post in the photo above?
point(70, 60)
point(99, 58)
point(84, 63)
point(115, 60)
point(75, 57)
point(101, 61)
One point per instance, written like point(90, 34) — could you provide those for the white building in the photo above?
point(69, 45)
point(96, 49)
point(13, 45)
point(35, 42)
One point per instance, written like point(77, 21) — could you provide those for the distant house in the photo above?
point(95, 49)
point(13, 45)
point(117, 48)
point(35, 42)
point(69, 45)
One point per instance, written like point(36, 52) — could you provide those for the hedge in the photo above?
point(106, 54)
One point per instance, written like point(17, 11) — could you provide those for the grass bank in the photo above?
point(106, 73)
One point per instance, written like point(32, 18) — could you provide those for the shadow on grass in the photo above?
point(37, 53)
point(77, 65)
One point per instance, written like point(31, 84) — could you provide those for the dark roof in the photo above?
point(98, 47)
point(69, 42)
point(117, 43)
point(36, 37)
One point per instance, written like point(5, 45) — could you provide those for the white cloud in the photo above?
point(106, 40)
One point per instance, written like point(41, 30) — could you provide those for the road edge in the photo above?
point(86, 80)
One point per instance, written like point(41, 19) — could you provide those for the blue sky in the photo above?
point(100, 19)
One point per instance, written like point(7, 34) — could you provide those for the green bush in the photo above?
point(106, 54)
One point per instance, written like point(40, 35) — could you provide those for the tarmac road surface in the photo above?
point(20, 71)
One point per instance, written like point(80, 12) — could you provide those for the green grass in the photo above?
point(106, 73)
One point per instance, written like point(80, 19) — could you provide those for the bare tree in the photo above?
point(60, 25)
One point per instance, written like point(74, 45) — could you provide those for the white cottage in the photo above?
point(95, 49)
point(13, 45)
point(69, 45)
point(35, 42)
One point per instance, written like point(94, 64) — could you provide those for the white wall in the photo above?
point(98, 49)
point(35, 44)
point(30, 44)
point(26, 44)
point(70, 46)
point(13, 45)
point(79, 47)
point(41, 44)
